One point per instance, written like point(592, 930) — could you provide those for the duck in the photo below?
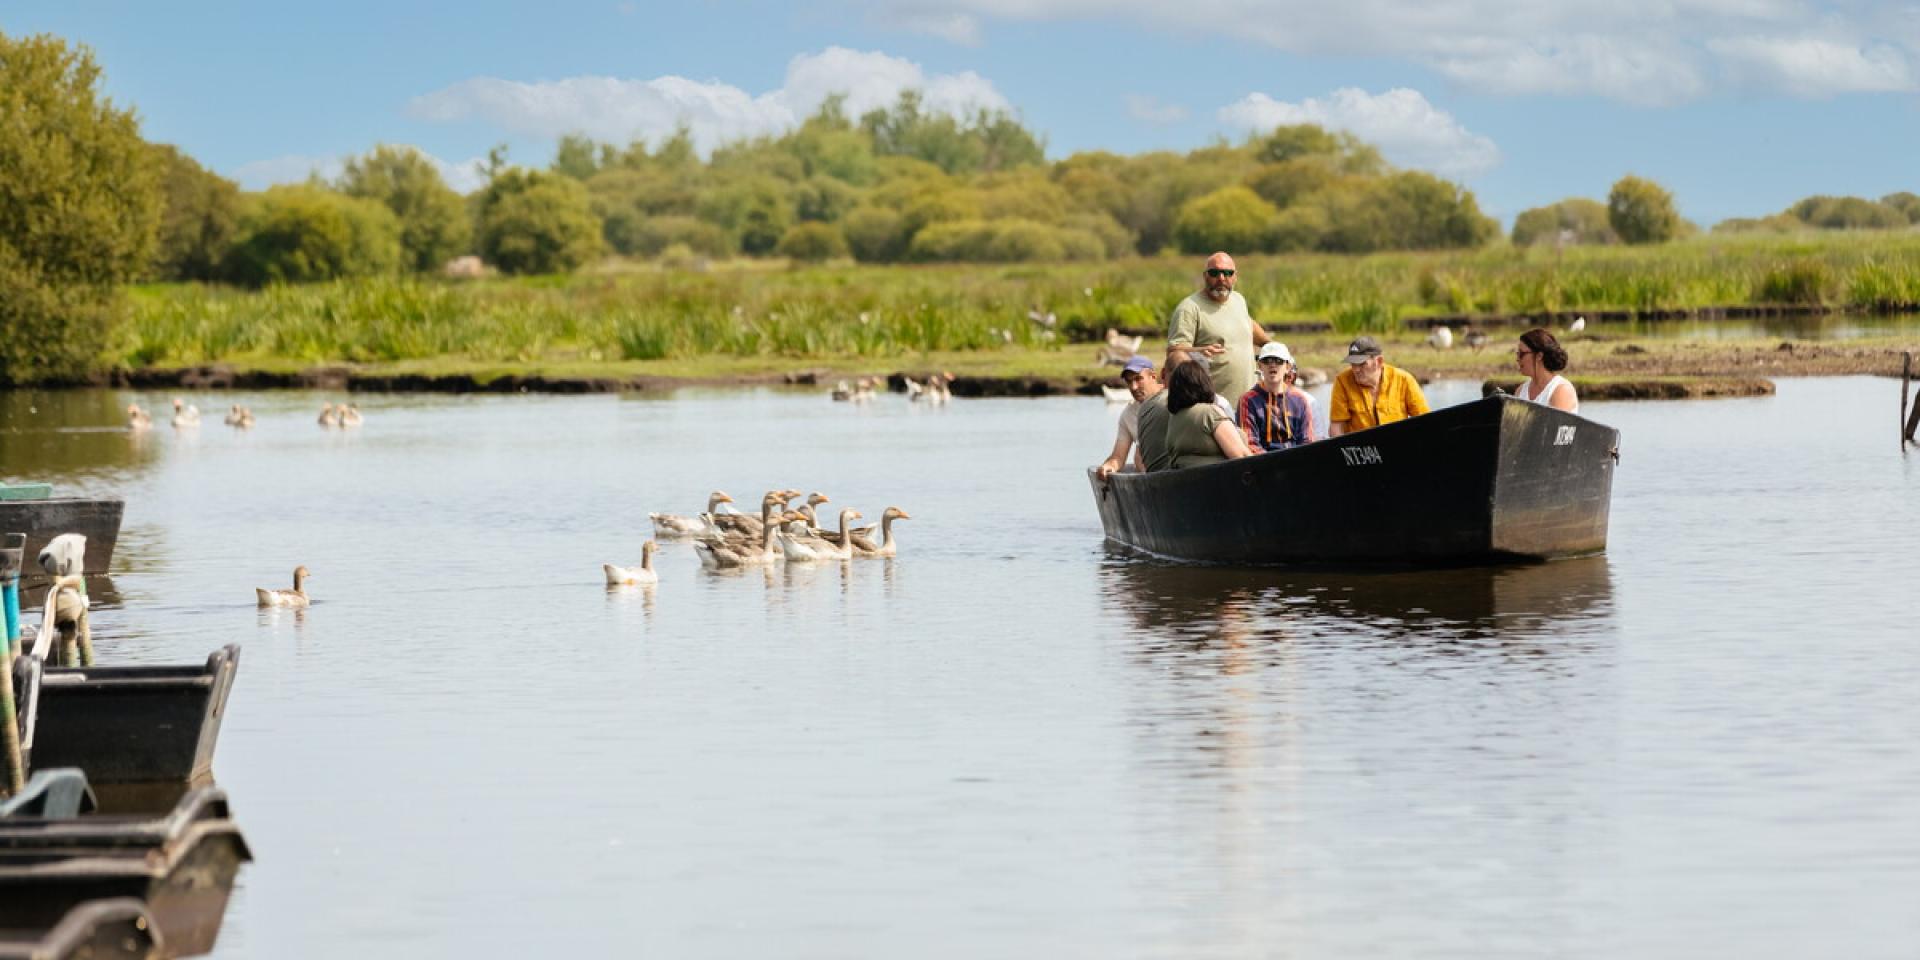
point(731, 554)
point(297, 597)
point(672, 526)
point(185, 414)
point(138, 419)
point(326, 415)
point(801, 549)
point(1440, 337)
point(642, 575)
point(863, 539)
point(1116, 394)
point(348, 415)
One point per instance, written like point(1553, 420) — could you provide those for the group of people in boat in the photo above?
point(1216, 352)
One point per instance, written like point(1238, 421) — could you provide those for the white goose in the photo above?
point(816, 550)
point(185, 414)
point(297, 597)
point(634, 576)
point(1440, 337)
point(326, 415)
point(863, 541)
point(138, 419)
point(672, 526)
point(348, 415)
point(1116, 394)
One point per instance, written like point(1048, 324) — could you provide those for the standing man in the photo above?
point(1212, 325)
point(1144, 384)
point(1370, 392)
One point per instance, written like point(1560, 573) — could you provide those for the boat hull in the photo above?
point(42, 520)
point(1495, 481)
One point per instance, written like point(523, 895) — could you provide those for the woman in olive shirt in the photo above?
point(1198, 431)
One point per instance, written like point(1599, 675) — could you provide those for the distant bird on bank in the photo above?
point(1116, 394)
point(1578, 324)
point(1441, 337)
point(1476, 339)
point(297, 597)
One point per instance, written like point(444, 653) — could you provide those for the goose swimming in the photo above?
point(297, 597)
point(641, 575)
point(672, 526)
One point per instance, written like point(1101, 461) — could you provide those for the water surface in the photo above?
point(1011, 741)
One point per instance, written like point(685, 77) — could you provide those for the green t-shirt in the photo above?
point(1190, 435)
point(1153, 433)
point(1200, 322)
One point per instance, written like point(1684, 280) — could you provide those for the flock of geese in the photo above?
point(187, 416)
point(724, 538)
point(936, 389)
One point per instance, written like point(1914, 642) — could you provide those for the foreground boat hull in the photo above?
point(1494, 481)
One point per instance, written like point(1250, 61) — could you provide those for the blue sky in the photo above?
point(1739, 106)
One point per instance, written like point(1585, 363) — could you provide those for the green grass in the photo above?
point(897, 316)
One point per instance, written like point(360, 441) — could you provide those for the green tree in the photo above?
point(1233, 219)
point(306, 232)
point(1847, 213)
point(812, 241)
point(576, 157)
point(756, 210)
point(1431, 214)
point(79, 204)
point(1585, 221)
point(200, 213)
point(1641, 211)
point(1904, 202)
point(875, 234)
point(529, 221)
point(987, 141)
point(434, 227)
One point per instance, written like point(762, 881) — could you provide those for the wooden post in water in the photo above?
point(1906, 376)
point(1913, 415)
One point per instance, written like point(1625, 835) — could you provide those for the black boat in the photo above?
point(42, 520)
point(181, 866)
point(1498, 480)
point(144, 735)
point(117, 929)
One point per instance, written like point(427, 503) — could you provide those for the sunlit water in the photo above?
point(1010, 742)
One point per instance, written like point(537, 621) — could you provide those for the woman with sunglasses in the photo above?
point(1541, 358)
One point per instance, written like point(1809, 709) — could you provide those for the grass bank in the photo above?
point(731, 322)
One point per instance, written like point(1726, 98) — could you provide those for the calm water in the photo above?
point(1010, 742)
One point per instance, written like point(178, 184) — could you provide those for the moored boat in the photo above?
point(98, 519)
point(1498, 480)
point(117, 929)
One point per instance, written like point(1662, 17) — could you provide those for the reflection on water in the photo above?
point(76, 439)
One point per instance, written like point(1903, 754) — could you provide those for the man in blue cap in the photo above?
point(1143, 424)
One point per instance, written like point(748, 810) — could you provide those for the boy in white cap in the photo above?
point(1275, 414)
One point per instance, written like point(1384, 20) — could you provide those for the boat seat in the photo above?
point(52, 795)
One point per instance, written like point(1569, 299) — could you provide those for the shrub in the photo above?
point(1798, 281)
point(307, 233)
point(200, 212)
point(875, 234)
point(1584, 220)
point(531, 221)
point(1641, 211)
point(434, 227)
point(812, 242)
point(652, 236)
point(1230, 218)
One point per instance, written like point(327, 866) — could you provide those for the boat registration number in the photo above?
point(1563, 436)
point(1361, 456)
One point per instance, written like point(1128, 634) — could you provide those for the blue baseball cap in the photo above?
point(1137, 364)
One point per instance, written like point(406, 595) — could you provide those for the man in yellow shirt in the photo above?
point(1369, 392)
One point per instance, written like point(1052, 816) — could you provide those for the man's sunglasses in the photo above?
point(1219, 272)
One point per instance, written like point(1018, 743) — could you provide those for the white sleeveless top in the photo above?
point(1542, 399)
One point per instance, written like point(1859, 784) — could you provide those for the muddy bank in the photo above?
point(1653, 388)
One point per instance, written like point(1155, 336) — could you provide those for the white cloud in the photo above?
point(1814, 68)
point(956, 28)
point(1408, 129)
point(1639, 51)
point(618, 110)
point(463, 177)
point(1154, 110)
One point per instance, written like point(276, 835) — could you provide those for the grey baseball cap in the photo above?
point(1362, 349)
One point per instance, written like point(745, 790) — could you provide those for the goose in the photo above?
point(185, 414)
point(1441, 337)
point(718, 554)
point(239, 416)
point(138, 419)
point(815, 549)
point(1119, 343)
point(842, 392)
point(1476, 339)
point(887, 547)
point(863, 390)
point(326, 415)
point(672, 526)
point(1578, 324)
point(915, 389)
point(743, 528)
point(938, 390)
point(634, 576)
point(814, 499)
point(1116, 394)
point(297, 597)
point(348, 415)
point(246, 418)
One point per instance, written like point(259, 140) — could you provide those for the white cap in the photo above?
point(1275, 348)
